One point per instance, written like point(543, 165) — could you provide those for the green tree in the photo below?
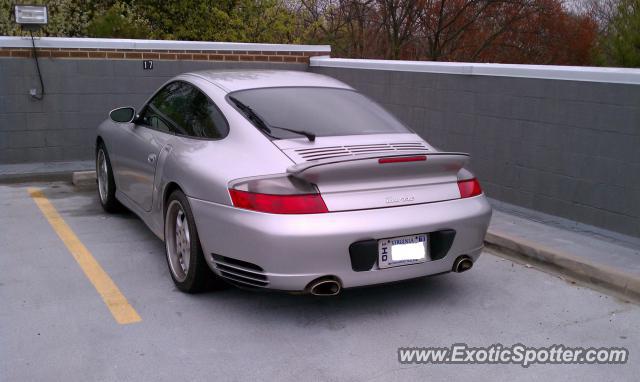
point(120, 21)
point(264, 21)
point(189, 19)
point(223, 20)
point(621, 46)
point(201, 20)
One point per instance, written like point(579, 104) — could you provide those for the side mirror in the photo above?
point(122, 114)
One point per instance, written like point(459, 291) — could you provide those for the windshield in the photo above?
point(320, 111)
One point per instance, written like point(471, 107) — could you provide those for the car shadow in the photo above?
point(334, 313)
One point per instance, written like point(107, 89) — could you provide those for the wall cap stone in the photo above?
point(107, 43)
point(570, 73)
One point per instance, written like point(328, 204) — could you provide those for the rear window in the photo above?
point(321, 111)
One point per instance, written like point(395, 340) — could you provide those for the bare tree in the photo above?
point(603, 12)
point(362, 26)
point(323, 20)
point(464, 29)
point(534, 31)
point(398, 20)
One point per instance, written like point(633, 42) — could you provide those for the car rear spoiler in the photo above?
point(299, 168)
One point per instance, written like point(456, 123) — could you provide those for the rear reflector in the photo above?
point(469, 188)
point(279, 204)
point(417, 158)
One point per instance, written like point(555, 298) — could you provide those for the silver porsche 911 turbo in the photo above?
point(290, 181)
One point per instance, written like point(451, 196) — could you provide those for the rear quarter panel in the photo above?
point(203, 168)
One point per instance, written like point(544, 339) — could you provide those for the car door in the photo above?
point(150, 133)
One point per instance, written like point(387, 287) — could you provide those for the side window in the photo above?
point(202, 119)
point(165, 111)
point(183, 109)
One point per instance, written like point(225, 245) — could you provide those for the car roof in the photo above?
point(233, 80)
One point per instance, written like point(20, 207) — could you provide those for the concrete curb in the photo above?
point(35, 177)
point(83, 178)
point(78, 178)
point(42, 171)
point(600, 276)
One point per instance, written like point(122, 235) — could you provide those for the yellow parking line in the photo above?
point(120, 308)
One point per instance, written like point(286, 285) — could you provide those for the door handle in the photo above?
point(151, 158)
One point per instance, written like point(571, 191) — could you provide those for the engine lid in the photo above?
point(301, 150)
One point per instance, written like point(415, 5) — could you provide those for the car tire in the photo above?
point(185, 257)
point(106, 182)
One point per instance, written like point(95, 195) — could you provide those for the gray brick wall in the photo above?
point(567, 148)
point(79, 94)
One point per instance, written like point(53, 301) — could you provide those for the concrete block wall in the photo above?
point(86, 78)
point(560, 140)
point(563, 144)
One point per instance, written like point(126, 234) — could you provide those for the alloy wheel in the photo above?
point(178, 240)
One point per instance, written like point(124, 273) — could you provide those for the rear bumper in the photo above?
point(293, 250)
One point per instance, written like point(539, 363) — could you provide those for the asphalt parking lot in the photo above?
point(54, 325)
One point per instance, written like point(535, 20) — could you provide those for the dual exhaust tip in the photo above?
point(329, 286)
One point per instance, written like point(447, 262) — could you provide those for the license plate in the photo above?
point(403, 250)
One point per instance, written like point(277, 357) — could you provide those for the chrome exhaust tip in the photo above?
point(325, 287)
point(463, 263)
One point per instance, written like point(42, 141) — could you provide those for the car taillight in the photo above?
point(279, 204)
point(469, 188)
point(277, 195)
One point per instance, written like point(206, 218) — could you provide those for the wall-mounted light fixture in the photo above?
point(33, 17)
